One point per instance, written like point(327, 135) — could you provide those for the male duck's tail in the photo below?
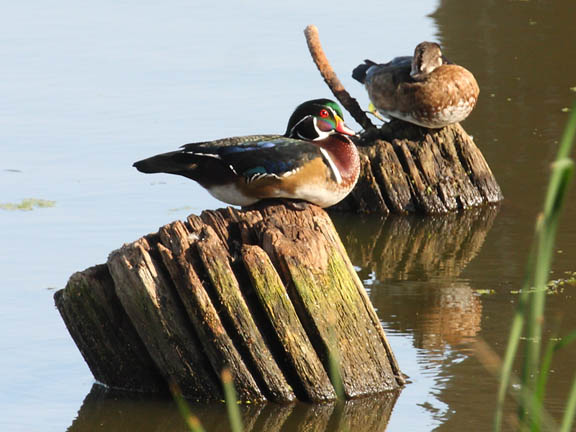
point(171, 163)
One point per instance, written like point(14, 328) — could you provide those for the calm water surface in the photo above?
point(86, 89)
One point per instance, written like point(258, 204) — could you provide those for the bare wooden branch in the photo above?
point(331, 79)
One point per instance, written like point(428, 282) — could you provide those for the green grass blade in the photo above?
point(566, 340)
point(561, 176)
point(513, 343)
point(567, 140)
point(336, 375)
point(191, 420)
point(570, 410)
point(551, 349)
point(543, 374)
point(530, 310)
point(231, 402)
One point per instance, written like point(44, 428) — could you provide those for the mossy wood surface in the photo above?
point(269, 293)
point(104, 334)
point(154, 307)
point(410, 169)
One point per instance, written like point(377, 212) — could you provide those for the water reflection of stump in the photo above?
point(428, 255)
point(112, 411)
point(414, 248)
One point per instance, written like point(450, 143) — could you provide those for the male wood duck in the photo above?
point(314, 161)
point(425, 89)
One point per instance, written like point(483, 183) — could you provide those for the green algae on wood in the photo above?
point(215, 260)
point(203, 316)
point(151, 301)
point(282, 316)
point(104, 334)
point(268, 293)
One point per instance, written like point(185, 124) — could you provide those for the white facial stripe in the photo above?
point(332, 165)
point(321, 133)
point(296, 125)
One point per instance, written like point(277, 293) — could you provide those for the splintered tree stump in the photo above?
point(411, 169)
point(104, 334)
point(408, 168)
point(268, 293)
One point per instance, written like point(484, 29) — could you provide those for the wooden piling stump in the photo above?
point(150, 300)
point(282, 315)
point(268, 293)
point(410, 169)
point(104, 333)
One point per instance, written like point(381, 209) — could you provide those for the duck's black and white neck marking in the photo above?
point(316, 120)
point(316, 127)
point(332, 165)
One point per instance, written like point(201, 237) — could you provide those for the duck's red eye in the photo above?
point(324, 113)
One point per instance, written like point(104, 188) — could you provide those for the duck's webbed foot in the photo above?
point(298, 205)
point(374, 111)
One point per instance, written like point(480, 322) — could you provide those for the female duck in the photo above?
point(315, 161)
point(425, 89)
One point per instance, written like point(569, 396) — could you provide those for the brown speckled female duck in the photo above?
point(425, 89)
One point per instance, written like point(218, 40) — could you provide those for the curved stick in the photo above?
point(323, 65)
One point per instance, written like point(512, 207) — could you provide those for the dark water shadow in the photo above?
point(115, 411)
point(412, 268)
point(412, 247)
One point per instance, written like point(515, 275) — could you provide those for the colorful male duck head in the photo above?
point(316, 120)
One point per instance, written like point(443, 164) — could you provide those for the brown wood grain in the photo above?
point(268, 293)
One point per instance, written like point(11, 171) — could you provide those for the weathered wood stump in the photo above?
point(411, 169)
point(104, 334)
point(268, 293)
point(408, 168)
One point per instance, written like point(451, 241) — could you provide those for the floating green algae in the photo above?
point(27, 204)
